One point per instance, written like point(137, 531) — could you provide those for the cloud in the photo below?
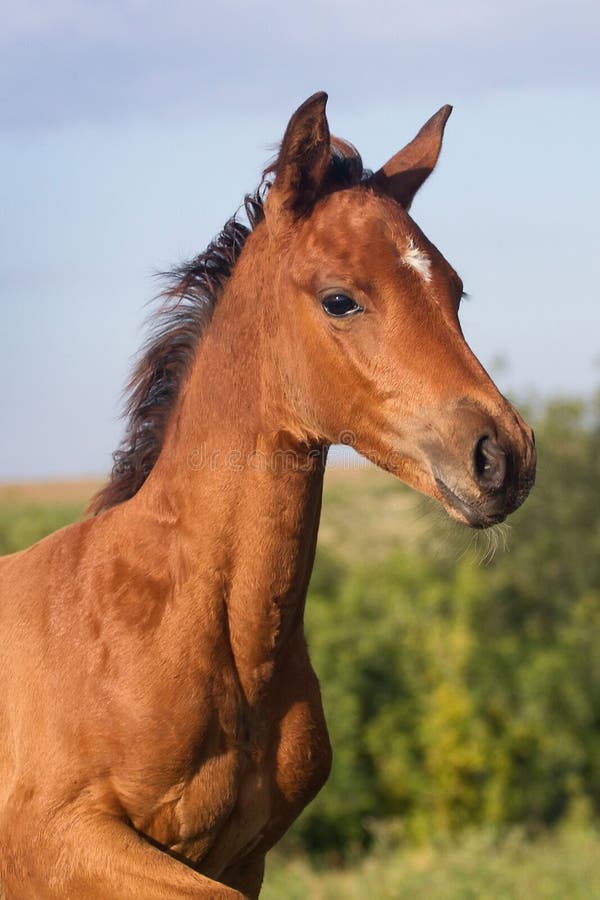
point(71, 61)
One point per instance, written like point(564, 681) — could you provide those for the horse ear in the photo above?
point(402, 176)
point(303, 160)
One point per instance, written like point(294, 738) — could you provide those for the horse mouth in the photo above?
point(467, 513)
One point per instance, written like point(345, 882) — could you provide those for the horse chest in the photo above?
point(218, 831)
point(214, 814)
point(251, 793)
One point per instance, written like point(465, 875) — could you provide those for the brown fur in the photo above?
point(177, 327)
point(160, 722)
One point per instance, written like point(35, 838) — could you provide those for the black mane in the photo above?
point(177, 326)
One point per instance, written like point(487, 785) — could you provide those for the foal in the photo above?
point(160, 722)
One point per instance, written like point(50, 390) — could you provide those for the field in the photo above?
point(461, 688)
point(30, 511)
point(386, 510)
point(562, 866)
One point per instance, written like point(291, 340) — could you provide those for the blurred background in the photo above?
point(461, 677)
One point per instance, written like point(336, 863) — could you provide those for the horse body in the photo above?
point(161, 725)
point(189, 706)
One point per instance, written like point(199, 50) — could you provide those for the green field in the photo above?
point(479, 866)
point(460, 678)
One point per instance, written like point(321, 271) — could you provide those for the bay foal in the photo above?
point(160, 722)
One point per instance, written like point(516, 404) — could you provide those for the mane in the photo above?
point(185, 308)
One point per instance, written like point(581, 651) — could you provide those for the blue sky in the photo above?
point(129, 132)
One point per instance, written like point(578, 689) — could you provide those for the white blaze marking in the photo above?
point(417, 259)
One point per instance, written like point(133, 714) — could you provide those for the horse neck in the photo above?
point(244, 494)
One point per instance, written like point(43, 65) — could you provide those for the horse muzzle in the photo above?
point(489, 471)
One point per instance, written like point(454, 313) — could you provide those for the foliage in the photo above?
point(459, 695)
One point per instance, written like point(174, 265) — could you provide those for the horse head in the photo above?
point(366, 312)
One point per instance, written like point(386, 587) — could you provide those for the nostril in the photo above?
point(489, 463)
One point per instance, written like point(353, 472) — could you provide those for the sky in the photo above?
point(130, 131)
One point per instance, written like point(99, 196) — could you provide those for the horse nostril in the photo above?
point(489, 463)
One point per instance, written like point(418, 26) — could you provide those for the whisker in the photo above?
point(442, 535)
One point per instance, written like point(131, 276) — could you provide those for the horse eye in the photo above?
point(340, 305)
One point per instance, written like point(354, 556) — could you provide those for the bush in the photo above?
point(459, 694)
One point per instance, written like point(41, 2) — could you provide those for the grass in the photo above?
point(388, 513)
point(564, 865)
point(28, 512)
point(76, 491)
point(22, 524)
